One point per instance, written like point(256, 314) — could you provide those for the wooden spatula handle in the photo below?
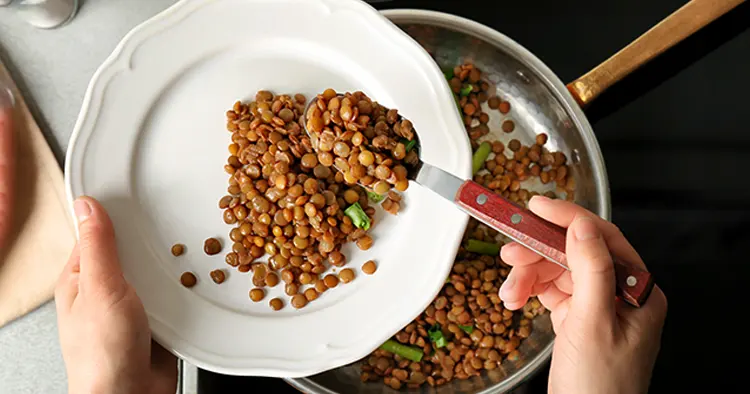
point(634, 284)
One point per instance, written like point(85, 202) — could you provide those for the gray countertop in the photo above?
point(53, 68)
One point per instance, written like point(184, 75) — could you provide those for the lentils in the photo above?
point(257, 294)
point(177, 250)
point(218, 276)
point(212, 246)
point(276, 304)
point(188, 279)
point(369, 267)
point(346, 275)
point(299, 301)
point(285, 201)
point(331, 281)
point(371, 144)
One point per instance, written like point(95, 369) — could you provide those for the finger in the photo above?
point(540, 288)
point(560, 314)
point(6, 163)
point(515, 254)
point(551, 297)
point(516, 289)
point(66, 289)
point(558, 303)
point(562, 213)
point(526, 281)
point(100, 267)
point(592, 272)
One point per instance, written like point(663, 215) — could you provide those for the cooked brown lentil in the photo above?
point(218, 276)
point(178, 250)
point(331, 281)
point(504, 107)
point(212, 246)
point(299, 301)
point(369, 267)
point(276, 304)
point(311, 294)
point(257, 294)
point(188, 279)
point(272, 279)
point(346, 275)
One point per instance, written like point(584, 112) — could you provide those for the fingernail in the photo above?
point(540, 198)
point(82, 209)
point(6, 97)
point(507, 286)
point(584, 229)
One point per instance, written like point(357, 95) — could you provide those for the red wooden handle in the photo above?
point(634, 284)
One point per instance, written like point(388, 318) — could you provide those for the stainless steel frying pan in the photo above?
point(540, 103)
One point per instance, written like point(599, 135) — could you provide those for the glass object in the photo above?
point(44, 14)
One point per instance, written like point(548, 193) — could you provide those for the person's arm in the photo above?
point(603, 345)
point(6, 163)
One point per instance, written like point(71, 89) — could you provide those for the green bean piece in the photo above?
point(481, 247)
point(358, 216)
point(408, 352)
point(480, 156)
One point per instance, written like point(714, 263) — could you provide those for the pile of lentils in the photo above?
point(466, 329)
point(369, 143)
point(289, 203)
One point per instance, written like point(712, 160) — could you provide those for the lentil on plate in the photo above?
point(369, 143)
point(188, 279)
point(289, 203)
point(177, 250)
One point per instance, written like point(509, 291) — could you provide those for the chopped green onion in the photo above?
point(436, 336)
point(467, 329)
point(410, 144)
point(448, 280)
point(374, 197)
point(466, 90)
point(480, 156)
point(448, 72)
point(358, 216)
point(408, 352)
point(481, 247)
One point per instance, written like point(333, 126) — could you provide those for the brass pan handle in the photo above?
point(676, 27)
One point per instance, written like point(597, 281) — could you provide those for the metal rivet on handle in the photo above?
point(516, 218)
point(481, 199)
point(631, 281)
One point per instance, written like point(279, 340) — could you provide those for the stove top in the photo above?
point(675, 141)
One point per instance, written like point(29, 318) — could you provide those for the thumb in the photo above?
point(100, 267)
point(592, 271)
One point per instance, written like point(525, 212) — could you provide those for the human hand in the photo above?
point(603, 345)
point(6, 163)
point(104, 333)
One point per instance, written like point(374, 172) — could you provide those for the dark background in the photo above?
point(675, 139)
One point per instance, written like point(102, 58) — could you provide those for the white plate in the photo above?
point(150, 143)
